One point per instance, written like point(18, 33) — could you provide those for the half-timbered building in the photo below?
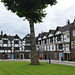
point(59, 42)
point(13, 47)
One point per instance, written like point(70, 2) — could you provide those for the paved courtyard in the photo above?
point(70, 63)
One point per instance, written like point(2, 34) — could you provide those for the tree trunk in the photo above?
point(34, 55)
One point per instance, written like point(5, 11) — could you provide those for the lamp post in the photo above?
point(38, 51)
point(49, 56)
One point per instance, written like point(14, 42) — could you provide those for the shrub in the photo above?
point(70, 59)
point(26, 56)
point(62, 58)
point(40, 57)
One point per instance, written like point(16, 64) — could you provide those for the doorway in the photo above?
point(60, 55)
point(45, 56)
point(21, 56)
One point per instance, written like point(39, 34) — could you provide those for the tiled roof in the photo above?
point(26, 36)
point(66, 27)
point(16, 37)
point(62, 29)
point(10, 37)
point(51, 31)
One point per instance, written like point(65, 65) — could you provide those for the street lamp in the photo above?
point(38, 51)
point(49, 56)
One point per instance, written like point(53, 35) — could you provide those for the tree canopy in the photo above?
point(29, 8)
point(32, 10)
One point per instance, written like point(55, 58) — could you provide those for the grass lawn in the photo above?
point(23, 68)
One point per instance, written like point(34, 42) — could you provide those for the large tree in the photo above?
point(33, 11)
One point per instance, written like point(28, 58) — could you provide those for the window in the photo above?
point(73, 33)
point(47, 47)
point(41, 42)
point(55, 54)
point(5, 41)
point(67, 45)
point(47, 41)
point(23, 43)
point(38, 42)
point(0, 41)
point(51, 39)
point(74, 44)
point(44, 41)
point(59, 38)
point(60, 46)
point(16, 42)
point(67, 36)
point(71, 44)
point(16, 48)
point(52, 47)
point(44, 47)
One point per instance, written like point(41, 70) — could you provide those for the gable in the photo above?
point(44, 37)
point(28, 35)
point(5, 36)
point(58, 32)
point(50, 35)
point(39, 38)
point(16, 37)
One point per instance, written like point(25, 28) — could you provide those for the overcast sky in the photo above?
point(56, 16)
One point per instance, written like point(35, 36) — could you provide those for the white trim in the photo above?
point(28, 36)
point(58, 32)
point(44, 37)
point(39, 39)
point(50, 35)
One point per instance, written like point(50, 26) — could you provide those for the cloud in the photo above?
point(57, 15)
point(11, 24)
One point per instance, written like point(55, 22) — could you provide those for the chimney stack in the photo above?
point(74, 20)
point(68, 21)
point(1, 33)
